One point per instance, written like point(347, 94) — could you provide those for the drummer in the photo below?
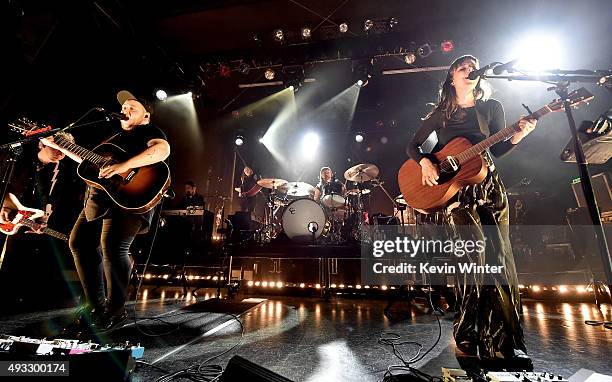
point(326, 178)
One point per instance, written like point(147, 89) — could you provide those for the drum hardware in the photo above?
point(298, 189)
point(269, 231)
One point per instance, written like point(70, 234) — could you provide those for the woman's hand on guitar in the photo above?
point(114, 169)
point(429, 172)
point(526, 126)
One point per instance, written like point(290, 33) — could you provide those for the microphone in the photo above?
point(113, 115)
point(477, 73)
point(508, 67)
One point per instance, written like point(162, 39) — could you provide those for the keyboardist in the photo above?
point(191, 198)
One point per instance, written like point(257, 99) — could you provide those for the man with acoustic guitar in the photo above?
point(107, 223)
point(487, 325)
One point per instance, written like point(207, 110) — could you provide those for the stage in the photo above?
point(310, 339)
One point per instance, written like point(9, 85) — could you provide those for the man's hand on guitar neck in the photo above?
point(429, 172)
point(5, 215)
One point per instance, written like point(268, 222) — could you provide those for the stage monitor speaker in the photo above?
point(241, 369)
point(601, 189)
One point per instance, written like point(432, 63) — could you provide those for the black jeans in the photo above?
point(101, 251)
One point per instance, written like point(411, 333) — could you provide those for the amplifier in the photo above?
point(601, 189)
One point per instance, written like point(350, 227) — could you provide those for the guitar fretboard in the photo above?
point(500, 136)
point(89, 155)
point(51, 232)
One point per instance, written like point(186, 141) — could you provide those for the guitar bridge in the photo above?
point(453, 163)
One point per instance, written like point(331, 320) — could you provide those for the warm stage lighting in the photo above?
point(392, 22)
point(239, 140)
point(447, 46)
point(269, 74)
point(161, 95)
point(538, 52)
point(410, 58)
point(367, 25)
point(535, 288)
point(424, 50)
point(279, 35)
point(562, 289)
point(359, 137)
point(343, 28)
point(306, 33)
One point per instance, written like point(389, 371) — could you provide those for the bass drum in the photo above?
point(301, 217)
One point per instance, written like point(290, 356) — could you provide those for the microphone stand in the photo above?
point(562, 80)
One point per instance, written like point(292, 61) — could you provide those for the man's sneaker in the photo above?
point(112, 321)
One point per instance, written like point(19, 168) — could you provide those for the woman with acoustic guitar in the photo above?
point(487, 325)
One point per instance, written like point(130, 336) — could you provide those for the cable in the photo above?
point(200, 372)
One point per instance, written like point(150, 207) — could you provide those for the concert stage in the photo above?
point(309, 339)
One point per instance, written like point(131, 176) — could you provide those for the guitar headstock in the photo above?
point(576, 98)
point(26, 127)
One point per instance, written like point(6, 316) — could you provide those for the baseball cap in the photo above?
point(125, 95)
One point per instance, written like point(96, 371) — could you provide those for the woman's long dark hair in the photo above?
point(447, 97)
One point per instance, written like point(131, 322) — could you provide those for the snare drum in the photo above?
point(301, 217)
point(332, 195)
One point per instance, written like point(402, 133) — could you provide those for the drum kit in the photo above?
point(332, 214)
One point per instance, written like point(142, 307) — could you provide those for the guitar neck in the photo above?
point(47, 231)
point(79, 150)
point(500, 136)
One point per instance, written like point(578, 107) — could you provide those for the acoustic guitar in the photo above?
point(460, 163)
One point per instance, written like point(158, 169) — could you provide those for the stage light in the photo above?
point(264, 284)
point(279, 284)
point(161, 95)
point(239, 140)
point(189, 94)
point(538, 52)
point(262, 140)
point(333, 286)
point(148, 276)
point(410, 58)
point(424, 50)
point(580, 289)
point(343, 28)
point(257, 283)
point(306, 33)
point(310, 143)
point(302, 285)
point(244, 68)
point(384, 287)
point(250, 283)
point(447, 46)
point(318, 286)
point(166, 277)
point(392, 22)
point(367, 287)
point(362, 71)
point(357, 286)
point(367, 25)
point(562, 289)
point(384, 140)
point(359, 137)
point(269, 74)
point(279, 35)
point(535, 288)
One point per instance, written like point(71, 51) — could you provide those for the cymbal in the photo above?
point(361, 172)
point(271, 183)
point(299, 189)
point(400, 200)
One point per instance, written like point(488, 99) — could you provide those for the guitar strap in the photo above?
point(482, 119)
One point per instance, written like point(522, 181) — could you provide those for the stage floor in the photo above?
point(310, 339)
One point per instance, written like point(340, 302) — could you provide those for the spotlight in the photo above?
point(362, 71)
point(535, 288)
point(306, 33)
point(279, 35)
point(410, 58)
point(161, 94)
point(562, 289)
point(343, 28)
point(359, 137)
point(538, 52)
point(244, 68)
point(384, 140)
point(392, 22)
point(367, 25)
point(424, 50)
point(310, 142)
point(447, 46)
point(239, 140)
point(269, 74)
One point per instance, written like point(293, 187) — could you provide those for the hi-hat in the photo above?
point(272, 183)
point(400, 200)
point(299, 189)
point(361, 172)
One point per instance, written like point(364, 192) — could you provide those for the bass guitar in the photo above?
point(460, 163)
point(26, 217)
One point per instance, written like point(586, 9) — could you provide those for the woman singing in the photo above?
point(487, 325)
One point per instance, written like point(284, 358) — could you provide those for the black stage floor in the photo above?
point(310, 339)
